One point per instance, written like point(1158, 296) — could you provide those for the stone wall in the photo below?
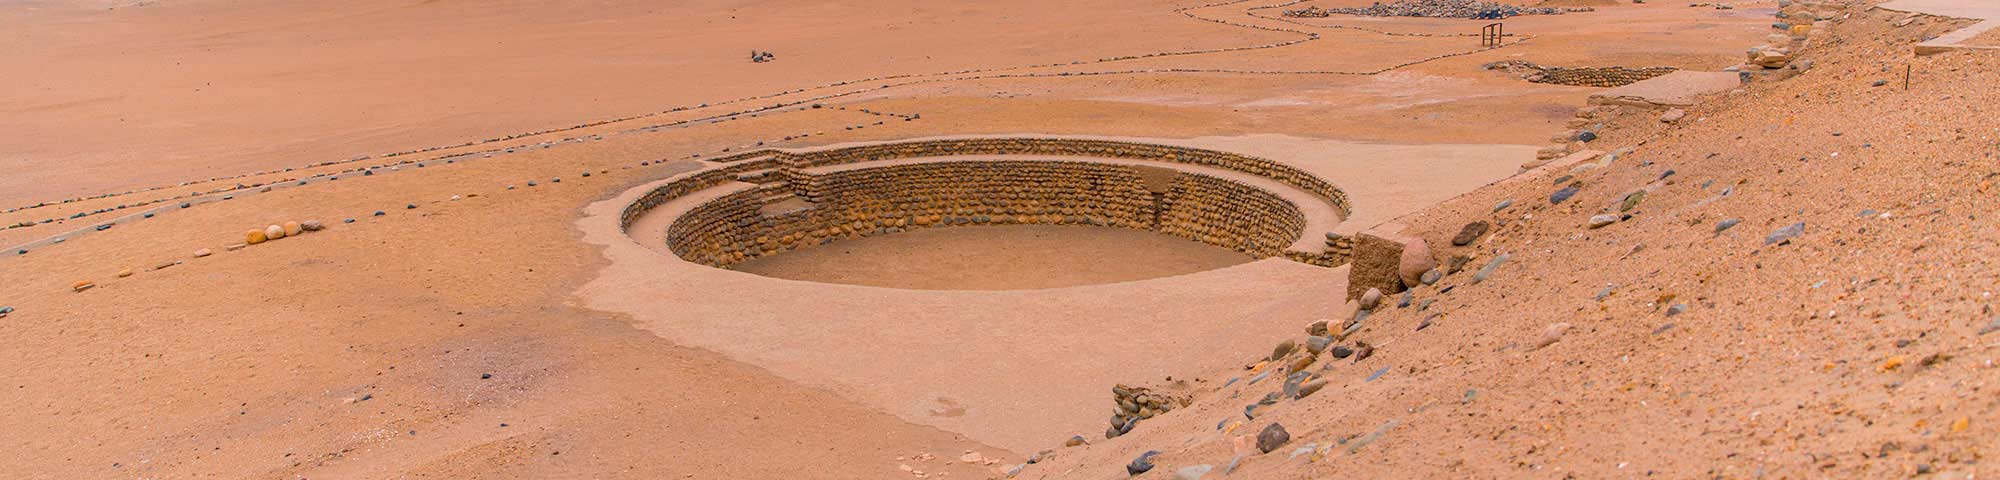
point(1065, 147)
point(785, 200)
point(812, 209)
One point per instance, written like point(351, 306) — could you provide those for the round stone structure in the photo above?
point(769, 201)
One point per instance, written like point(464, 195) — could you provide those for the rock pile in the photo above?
point(1471, 9)
point(273, 232)
point(1579, 76)
point(1139, 403)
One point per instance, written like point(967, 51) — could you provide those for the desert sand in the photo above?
point(477, 306)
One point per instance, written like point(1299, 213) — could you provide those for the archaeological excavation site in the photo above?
point(1090, 239)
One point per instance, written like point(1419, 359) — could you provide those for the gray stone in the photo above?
point(1142, 464)
point(1318, 344)
point(1503, 205)
point(1676, 309)
point(1341, 351)
point(1487, 271)
point(1371, 299)
point(1431, 277)
point(1993, 326)
point(1726, 223)
point(1564, 194)
point(1785, 235)
point(1404, 301)
point(1273, 436)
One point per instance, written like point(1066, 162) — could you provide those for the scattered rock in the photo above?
point(1142, 464)
point(1371, 299)
point(1599, 221)
point(1552, 334)
point(1470, 232)
point(1564, 194)
point(1784, 236)
point(1317, 344)
point(1362, 350)
point(1487, 271)
point(1075, 440)
point(254, 237)
point(312, 225)
point(293, 228)
point(1341, 351)
point(1317, 328)
point(1284, 348)
point(274, 232)
point(1673, 115)
point(202, 253)
point(1415, 260)
point(1503, 205)
point(1993, 326)
point(1309, 388)
point(1431, 277)
point(1631, 201)
point(1676, 309)
point(82, 285)
point(125, 273)
point(1404, 301)
point(1273, 436)
point(1725, 224)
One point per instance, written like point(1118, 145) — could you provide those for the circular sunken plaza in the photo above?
point(936, 278)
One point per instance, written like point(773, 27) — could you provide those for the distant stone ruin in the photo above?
point(1579, 76)
point(1471, 9)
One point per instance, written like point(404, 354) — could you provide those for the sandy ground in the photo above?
point(1008, 257)
point(399, 345)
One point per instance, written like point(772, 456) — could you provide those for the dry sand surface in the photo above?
point(485, 316)
point(1013, 257)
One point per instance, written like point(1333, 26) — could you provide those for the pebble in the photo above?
point(1309, 388)
point(82, 285)
point(1378, 374)
point(1599, 221)
point(5, 310)
point(125, 273)
point(1142, 464)
point(1404, 302)
point(1317, 328)
point(1676, 309)
point(1430, 277)
point(1631, 201)
point(1606, 292)
point(1726, 223)
point(1503, 205)
point(1785, 235)
point(202, 253)
point(1371, 299)
point(1586, 136)
point(312, 225)
point(1426, 323)
point(293, 228)
point(1341, 351)
point(379, 213)
point(1284, 348)
point(1075, 440)
point(1273, 436)
point(1487, 271)
point(1673, 115)
point(1317, 344)
point(1565, 193)
point(1362, 350)
point(1552, 334)
point(410, 206)
point(254, 237)
point(1193, 473)
point(274, 232)
point(1993, 326)
point(347, 220)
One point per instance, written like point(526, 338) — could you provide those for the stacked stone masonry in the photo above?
point(1580, 76)
point(772, 201)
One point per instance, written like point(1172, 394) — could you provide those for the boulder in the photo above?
point(1415, 260)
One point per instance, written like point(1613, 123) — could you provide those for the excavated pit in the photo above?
point(989, 213)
